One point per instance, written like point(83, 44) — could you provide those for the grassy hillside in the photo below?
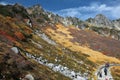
point(16, 33)
point(64, 36)
point(52, 51)
point(116, 72)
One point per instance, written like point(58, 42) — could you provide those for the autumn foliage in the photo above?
point(19, 35)
point(3, 33)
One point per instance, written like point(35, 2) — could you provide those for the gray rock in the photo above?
point(29, 77)
point(15, 49)
point(101, 21)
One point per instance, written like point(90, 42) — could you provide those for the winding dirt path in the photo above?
point(104, 73)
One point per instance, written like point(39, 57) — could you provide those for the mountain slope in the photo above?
point(54, 50)
point(14, 67)
point(18, 64)
point(66, 37)
point(105, 27)
point(101, 21)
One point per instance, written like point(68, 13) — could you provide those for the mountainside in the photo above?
point(101, 21)
point(41, 45)
point(102, 25)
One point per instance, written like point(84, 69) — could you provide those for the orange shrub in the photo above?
point(19, 35)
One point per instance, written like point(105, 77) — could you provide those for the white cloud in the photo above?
point(116, 12)
point(69, 12)
point(3, 3)
point(85, 12)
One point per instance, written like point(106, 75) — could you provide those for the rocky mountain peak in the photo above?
point(15, 10)
point(17, 5)
point(18, 8)
point(37, 6)
point(35, 9)
point(101, 21)
point(100, 16)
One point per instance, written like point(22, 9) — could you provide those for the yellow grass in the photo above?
point(116, 72)
point(95, 56)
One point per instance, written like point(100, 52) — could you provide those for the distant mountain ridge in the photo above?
point(101, 21)
point(100, 24)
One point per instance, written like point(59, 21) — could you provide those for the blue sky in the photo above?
point(82, 9)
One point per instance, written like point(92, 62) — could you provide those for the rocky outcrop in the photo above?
point(105, 27)
point(29, 77)
point(15, 10)
point(42, 16)
point(101, 21)
point(116, 24)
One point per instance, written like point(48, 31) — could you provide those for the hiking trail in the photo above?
point(104, 73)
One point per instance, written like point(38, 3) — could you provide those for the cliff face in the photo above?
point(47, 46)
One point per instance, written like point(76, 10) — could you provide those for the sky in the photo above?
point(82, 9)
